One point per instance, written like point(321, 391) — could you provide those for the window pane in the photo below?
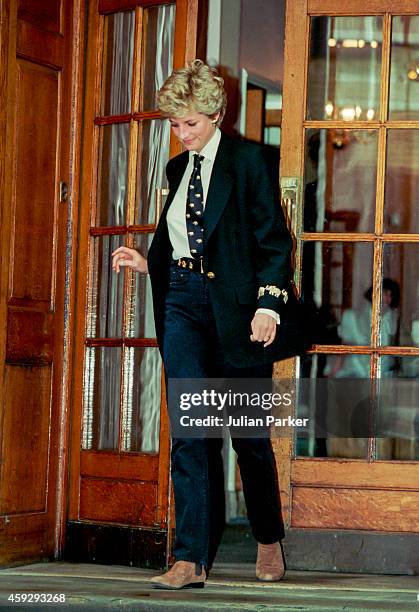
point(408, 366)
point(140, 317)
point(153, 155)
point(345, 68)
point(336, 402)
point(157, 57)
point(106, 290)
point(113, 174)
point(101, 392)
point(401, 210)
point(142, 397)
point(117, 63)
point(398, 413)
point(400, 301)
point(335, 277)
point(404, 79)
point(340, 180)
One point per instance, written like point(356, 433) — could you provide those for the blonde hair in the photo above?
point(197, 87)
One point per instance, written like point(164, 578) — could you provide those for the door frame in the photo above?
point(329, 549)
point(79, 43)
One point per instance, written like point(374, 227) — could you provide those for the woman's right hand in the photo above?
point(124, 256)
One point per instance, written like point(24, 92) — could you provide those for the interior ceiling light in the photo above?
point(348, 113)
point(329, 109)
point(350, 43)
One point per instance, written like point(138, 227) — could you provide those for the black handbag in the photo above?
point(296, 331)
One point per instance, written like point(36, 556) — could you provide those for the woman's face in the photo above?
point(387, 299)
point(194, 130)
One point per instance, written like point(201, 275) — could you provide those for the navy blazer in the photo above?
point(247, 252)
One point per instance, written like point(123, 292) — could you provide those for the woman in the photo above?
point(219, 266)
point(355, 329)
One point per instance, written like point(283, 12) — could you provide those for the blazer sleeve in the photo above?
point(273, 243)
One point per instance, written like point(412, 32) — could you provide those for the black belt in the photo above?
point(189, 263)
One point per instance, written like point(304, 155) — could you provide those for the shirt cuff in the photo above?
point(269, 312)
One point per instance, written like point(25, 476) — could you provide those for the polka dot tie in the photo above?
point(195, 209)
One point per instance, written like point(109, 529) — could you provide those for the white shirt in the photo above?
point(176, 216)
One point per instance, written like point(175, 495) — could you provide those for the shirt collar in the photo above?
point(211, 148)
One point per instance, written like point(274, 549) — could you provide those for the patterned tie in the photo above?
point(195, 209)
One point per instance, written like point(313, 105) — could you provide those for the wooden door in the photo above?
point(36, 81)
point(350, 136)
point(119, 492)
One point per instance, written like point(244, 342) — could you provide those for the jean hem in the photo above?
point(273, 540)
point(201, 562)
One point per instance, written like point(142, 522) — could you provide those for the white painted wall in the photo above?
point(262, 39)
point(248, 34)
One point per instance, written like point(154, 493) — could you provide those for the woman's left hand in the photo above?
point(263, 329)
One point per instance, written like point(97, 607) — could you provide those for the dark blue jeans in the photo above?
point(192, 350)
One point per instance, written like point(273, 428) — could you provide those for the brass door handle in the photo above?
point(291, 205)
point(290, 200)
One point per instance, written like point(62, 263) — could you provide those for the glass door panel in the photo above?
point(157, 51)
point(336, 278)
point(140, 317)
point(102, 384)
point(400, 295)
point(404, 83)
point(401, 210)
point(117, 63)
point(344, 68)
point(106, 291)
point(340, 180)
point(334, 394)
point(112, 190)
point(153, 155)
point(398, 411)
point(140, 323)
point(141, 401)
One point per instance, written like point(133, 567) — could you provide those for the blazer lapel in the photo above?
point(219, 190)
point(220, 186)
